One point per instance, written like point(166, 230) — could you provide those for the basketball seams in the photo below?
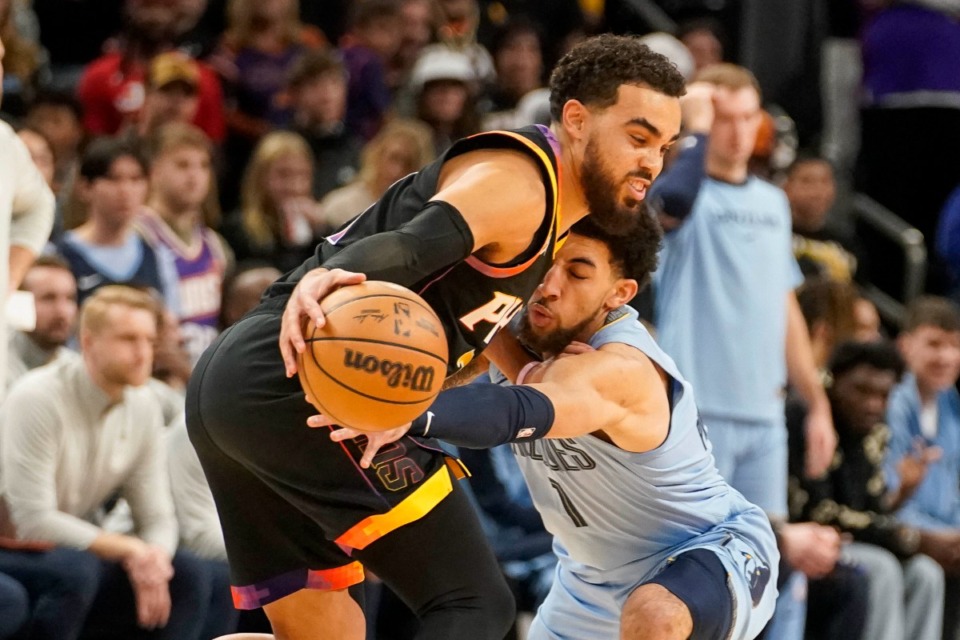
point(383, 295)
point(405, 356)
point(381, 342)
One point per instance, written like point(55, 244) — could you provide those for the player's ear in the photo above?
point(623, 292)
point(574, 117)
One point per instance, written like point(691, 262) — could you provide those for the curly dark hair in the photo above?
point(880, 354)
point(633, 252)
point(593, 71)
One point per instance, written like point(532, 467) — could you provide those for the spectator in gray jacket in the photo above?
point(77, 434)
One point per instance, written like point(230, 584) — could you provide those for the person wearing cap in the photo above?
point(112, 88)
point(443, 84)
point(172, 92)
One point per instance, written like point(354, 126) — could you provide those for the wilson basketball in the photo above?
point(380, 359)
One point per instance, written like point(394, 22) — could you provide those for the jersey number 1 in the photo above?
point(568, 506)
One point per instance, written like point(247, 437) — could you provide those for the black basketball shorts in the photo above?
point(293, 505)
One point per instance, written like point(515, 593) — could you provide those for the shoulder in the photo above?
point(763, 189)
point(105, 64)
point(902, 402)
point(500, 194)
point(100, 78)
point(905, 390)
point(40, 391)
point(145, 403)
point(6, 131)
point(13, 150)
point(613, 366)
point(633, 366)
point(498, 173)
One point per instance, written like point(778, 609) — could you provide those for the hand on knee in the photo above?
point(653, 613)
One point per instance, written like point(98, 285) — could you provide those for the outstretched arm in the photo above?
point(610, 390)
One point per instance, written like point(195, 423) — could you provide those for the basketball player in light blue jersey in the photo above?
point(652, 542)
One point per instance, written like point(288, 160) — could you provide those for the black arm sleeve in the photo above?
point(482, 416)
point(675, 191)
point(435, 238)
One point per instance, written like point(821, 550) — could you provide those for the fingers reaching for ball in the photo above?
point(375, 441)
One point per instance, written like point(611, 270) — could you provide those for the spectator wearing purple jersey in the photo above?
point(176, 223)
point(372, 41)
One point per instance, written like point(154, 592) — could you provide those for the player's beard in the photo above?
point(602, 192)
point(551, 342)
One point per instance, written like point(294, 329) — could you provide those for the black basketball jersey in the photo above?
point(473, 299)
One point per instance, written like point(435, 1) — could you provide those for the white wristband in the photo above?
point(523, 372)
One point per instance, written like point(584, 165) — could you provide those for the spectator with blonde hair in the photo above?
point(91, 422)
point(401, 148)
point(278, 219)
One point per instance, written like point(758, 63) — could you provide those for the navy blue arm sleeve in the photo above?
point(675, 191)
point(482, 416)
point(435, 238)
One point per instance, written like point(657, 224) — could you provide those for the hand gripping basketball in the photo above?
point(304, 303)
point(378, 361)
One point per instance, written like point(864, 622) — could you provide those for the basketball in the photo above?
point(380, 359)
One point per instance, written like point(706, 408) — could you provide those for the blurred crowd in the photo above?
point(185, 153)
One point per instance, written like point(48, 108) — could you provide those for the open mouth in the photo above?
point(637, 189)
point(538, 314)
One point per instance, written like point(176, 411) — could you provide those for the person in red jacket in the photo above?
point(112, 90)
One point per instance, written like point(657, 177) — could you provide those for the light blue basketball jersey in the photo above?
point(618, 517)
point(721, 298)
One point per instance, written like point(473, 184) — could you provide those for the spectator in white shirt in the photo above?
point(82, 431)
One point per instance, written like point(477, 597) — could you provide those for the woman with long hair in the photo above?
point(401, 147)
point(278, 220)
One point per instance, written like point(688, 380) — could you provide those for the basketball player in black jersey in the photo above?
point(473, 233)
